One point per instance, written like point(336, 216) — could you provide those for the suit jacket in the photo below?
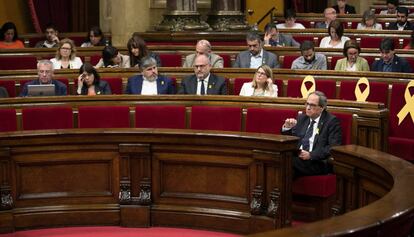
point(164, 85)
point(321, 25)
point(284, 40)
point(329, 134)
point(60, 88)
point(102, 89)
point(348, 9)
point(398, 65)
point(3, 92)
point(394, 26)
point(215, 60)
point(216, 85)
point(243, 60)
point(361, 64)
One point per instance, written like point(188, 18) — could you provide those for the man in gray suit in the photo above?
point(204, 47)
point(272, 37)
point(255, 56)
point(203, 82)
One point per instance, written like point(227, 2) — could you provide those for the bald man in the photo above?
point(330, 15)
point(203, 47)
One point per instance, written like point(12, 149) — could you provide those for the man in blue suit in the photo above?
point(149, 82)
point(389, 61)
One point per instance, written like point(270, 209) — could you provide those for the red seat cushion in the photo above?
point(317, 186)
point(326, 86)
point(238, 84)
point(266, 120)
point(288, 60)
point(8, 120)
point(18, 62)
point(47, 118)
point(378, 91)
point(171, 60)
point(226, 60)
point(346, 126)
point(160, 116)
point(103, 117)
point(216, 118)
point(10, 87)
point(115, 83)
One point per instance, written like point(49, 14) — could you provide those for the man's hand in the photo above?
point(289, 123)
point(304, 155)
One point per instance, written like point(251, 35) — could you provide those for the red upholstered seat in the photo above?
point(317, 186)
point(10, 87)
point(266, 120)
point(288, 60)
point(47, 118)
point(372, 42)
point(346, 126)
point(216, 118)
point(8, 120)
point(400, 137)
point(333, 62)
point(226, 60)
point(115, 83)
point(171, 60)
point(103, 117)
point(95, 59)
point(301, 38)
point(18, 62)
point(326, 86)
point(238, 84)
point(378, 91)
point(160, 116)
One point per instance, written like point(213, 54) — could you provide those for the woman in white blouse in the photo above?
point(262, 84)
point(335, 38)
point(369, 22)
point(66, 56)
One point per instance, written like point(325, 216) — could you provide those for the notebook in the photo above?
point(41, 90)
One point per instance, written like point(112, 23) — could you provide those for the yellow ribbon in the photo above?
point(305, 92)
point(409, 105)
point(362, 96)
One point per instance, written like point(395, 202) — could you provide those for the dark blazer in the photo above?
point(329, 134)
point(102, 89)
point(243, 59)
point(216, 85)
point(60, 88)
point(284, 40)
point(321, 25)
point(164, 85)
point(3, 92)
point(394, 26)
point(398, 65)
point(348, 9)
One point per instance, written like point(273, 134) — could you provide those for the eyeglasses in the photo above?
point(312, 106)
point(261, 74)
point(64, 48)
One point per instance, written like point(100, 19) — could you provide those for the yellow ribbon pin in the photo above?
point(209, 86)
point(409, 104)
point(305, 92)
point(162, 82)
point(362, 95)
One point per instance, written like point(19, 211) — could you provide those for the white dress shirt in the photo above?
point(149, 87)
point(205, 81)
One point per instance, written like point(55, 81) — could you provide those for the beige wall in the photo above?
point(260, 8)
point(16, 11)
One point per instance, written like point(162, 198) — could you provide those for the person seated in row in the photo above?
point(290, 21)
point(45, 73)
point(309, 59)
point(272, 37)
point(90, 83)
point(255, 56)
point(335, 38)
point(369, 22)
point(149, 82)
point(318, 131)
point(203, 82)
point(402, 22)
point(261, 85)
point(204, 47)
point(343, 8)
point(111, 57)
point(330, 15)
point(137, 50)
point(9, 38)
point(389, 61)
point(66, 56)
point(3, 92)
point(95, 37)
point(352, 61)
point(391, 7)
point(52, 39)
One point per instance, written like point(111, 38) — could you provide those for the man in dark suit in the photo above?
point(318, 131)
point(342, 8)
point(273, 37)
point(203, 82)
point(402, 22)
point(255, 56)
point(389, 61)
point(45, 73)
point(149, 82)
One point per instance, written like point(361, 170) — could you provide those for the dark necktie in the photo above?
point(308, 135)
point(202, 89)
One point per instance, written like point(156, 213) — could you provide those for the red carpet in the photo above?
point(109, 231)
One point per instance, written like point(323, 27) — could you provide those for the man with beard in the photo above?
point(309, 59)
point(203, 82)
point(389, 61)
point(149, 83)
point(52, 39)
point(402, 20)
point(255, 56)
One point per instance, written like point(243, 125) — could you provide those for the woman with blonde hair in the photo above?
point(261, 85)
point(369, 22)
point(66, 56)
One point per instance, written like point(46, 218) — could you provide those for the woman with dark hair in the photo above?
point(352, 61)
point(9, 39)
point(89, 82)
point(137, 50)
point(335, 38)
point(95, 37)
point(112, 58)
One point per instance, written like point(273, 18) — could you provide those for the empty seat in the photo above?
point(326, 86)
point(378, 91)
point(47, 118)
point(10, 87)
point(115, 83)
point(266, 120)
point(18, 62)
point(103, 117)
point(226, 60)
point(346, 120)
point(216, 118)
point(238, 84)
point(288, 60)
point(94, 59)
point(171, 60)
point(8, 120)
point(160, 116)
